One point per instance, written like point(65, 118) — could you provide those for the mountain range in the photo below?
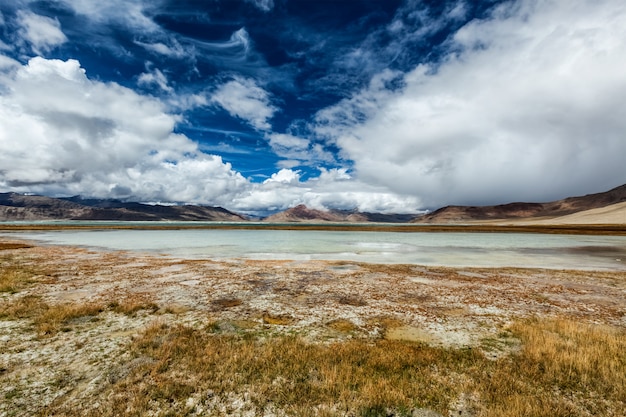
point(15, 206)
point(605, 207)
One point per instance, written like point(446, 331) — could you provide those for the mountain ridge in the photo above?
point(301, 213)
point(521, 210)
point(14, 207)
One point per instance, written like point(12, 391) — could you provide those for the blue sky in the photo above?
point(260, 105)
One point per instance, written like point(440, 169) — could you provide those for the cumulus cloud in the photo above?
point(333, 188)
point(284, 176)
point(66, 134)
point(244, 99)
point(42, 33)
point(525, 105)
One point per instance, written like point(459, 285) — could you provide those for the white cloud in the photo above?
point(131, 13)
point(333, 188)
point(244, 99)
point(66, 134)
point(7, 63)
point(263, 5)
point(175, 50)
point(284, 176)
point(154, 77)
point(42, 33)
point(297, 151)
point(526, 106)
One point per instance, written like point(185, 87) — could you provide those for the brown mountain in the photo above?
point(456, 214)
point(15, 206)
point(302, 213)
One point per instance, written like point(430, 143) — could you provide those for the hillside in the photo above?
point(15, 207)
point(512, 211)
point(612, 214)
point(302, 213)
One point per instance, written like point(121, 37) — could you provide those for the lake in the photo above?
point(424, 248)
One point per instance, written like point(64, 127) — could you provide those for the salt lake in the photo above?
point(423, 248)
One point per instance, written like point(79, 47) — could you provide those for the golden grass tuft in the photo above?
point(342, 325)
point(277, 319)
point(11, 280)
point(565, 368)
point(15, 275)
point(131, 305)
point(56, 318)
point(22, 308)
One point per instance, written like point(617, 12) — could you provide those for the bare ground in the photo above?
point(321, 301)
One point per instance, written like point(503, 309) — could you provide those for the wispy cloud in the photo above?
point(298, 151)
point(41, 33)
point(172, 50)
point(263, 5)
point(154, 77)
point(132, 14)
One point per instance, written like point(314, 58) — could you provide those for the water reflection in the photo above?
point(443, 249)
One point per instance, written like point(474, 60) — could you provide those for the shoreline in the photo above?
point(576, 229)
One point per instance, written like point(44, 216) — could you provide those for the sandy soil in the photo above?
point(613, 214)
point(321, 300)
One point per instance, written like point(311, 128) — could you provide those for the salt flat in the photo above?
point(321, 301)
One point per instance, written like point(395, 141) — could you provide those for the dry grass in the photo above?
point(284, 372)
point(342, 325)
point(11, 281)
point(53, 319)
point(22, 308)
point(235, 366)
point(14, 275)
point(277, 319)
point(565, 368)
point(131, 305)
point(14, 245)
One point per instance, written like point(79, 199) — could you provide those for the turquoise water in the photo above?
point(442, 249)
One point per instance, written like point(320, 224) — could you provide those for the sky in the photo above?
point(260, 105)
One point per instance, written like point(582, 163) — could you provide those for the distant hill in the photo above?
point(611, 214)
point(302, 213)
point(15, 206)
point(554, 209)
point(583, 209)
